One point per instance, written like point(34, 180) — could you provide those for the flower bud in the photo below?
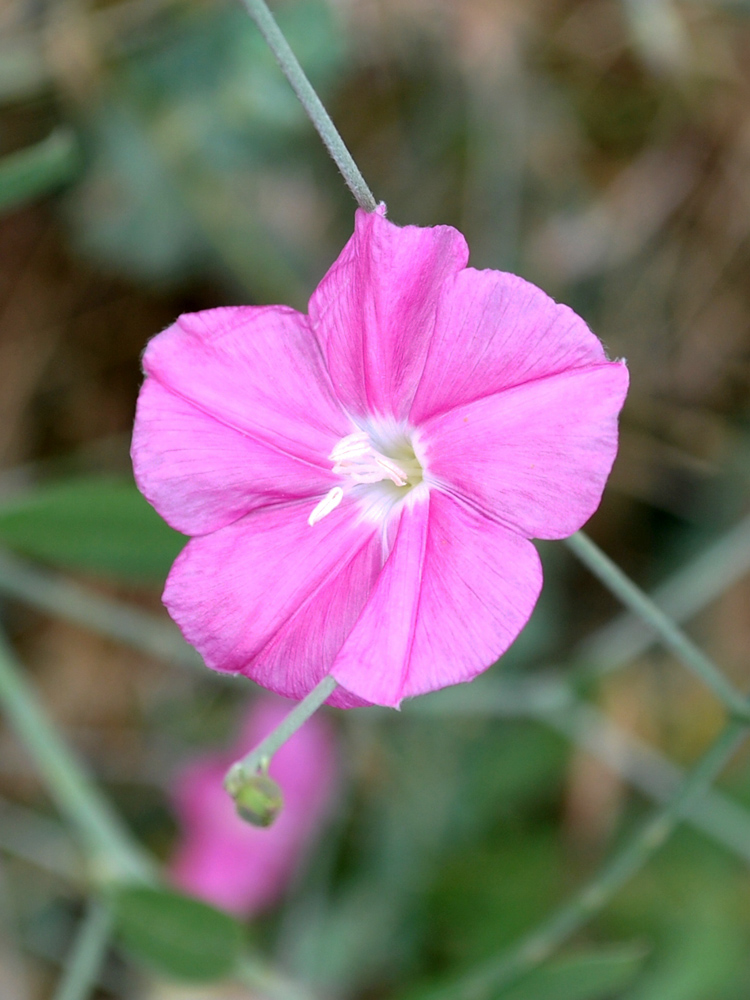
point(259, 800)
point(219, 857)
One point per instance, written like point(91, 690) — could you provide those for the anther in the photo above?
point(356, 457)
point(329, 502)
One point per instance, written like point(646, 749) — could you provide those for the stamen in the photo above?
point(352, 446)
point(356, 457)
point(329, 502)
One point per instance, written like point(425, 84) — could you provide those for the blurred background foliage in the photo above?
point(153, 160)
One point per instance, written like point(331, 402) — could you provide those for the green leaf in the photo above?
point(91, 523)
point(33, 172)
point(176, 935)
point(592, 975)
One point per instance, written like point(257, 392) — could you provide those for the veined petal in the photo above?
point(493, 331)
point(535, 457)
point(455, 592)
point(273, 598)
point(374, 311)
point(258, 370)
point(202, 474)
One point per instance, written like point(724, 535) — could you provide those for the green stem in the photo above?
point(553, 702)
point(487, 981)
point(670, 634)
point(70, 601)
point(259, 12)
point(41, 841)
point(249, 765)
point(89, 949)
point(694, 585)
point(114, 852)
point(713, 813)
point(268, 983)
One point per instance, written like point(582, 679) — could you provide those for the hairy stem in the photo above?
point(248, 766)
point(113, 851)
point(553, 702)
point(259, 12)
point(670, 634)
point(65, 598)
point(485, 982)
point(686, 592)
point(89, 949)
point(713, 813)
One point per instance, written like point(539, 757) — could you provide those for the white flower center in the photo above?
point(362, 459)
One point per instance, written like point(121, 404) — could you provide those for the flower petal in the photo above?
point(273, 598)
point(202, 474)
point(374, 311)
point(535, 457)
point(258, 370)
point(494, 331)
point(455, 592)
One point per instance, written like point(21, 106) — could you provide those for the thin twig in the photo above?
point(66, 599)
point(248, 766)
point(113, 853)
point(270, 984)
point(89, 950)
point(485, 982)
point(259, 12)
point(39, 840)
point(715, 814)
point(670, 634)
point(14, 968)
point(553, 702)
point(112, 848)
point(691, 588)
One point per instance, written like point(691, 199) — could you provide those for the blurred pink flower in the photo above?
point(222, 859)
point(362, 482)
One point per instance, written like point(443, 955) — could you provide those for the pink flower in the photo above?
point(221, 858)
point(362, 482)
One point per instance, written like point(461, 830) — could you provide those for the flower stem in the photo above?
point(670, 634)
point(114, 852)
point(555, 703)
point(79, 978)
point(249, 765)
point(39, 840)
point(83, 606)
point(259, 12)
point(487, 981)
point(268, 983)
point(694, 585)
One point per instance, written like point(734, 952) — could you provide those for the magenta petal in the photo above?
point(201, 474)
point(258, 370)
point(494, 331)
point(273, 598)
point(375, 657)
point(455, 592)
point(419, 578)
point(374, 311)
point(535, 457)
